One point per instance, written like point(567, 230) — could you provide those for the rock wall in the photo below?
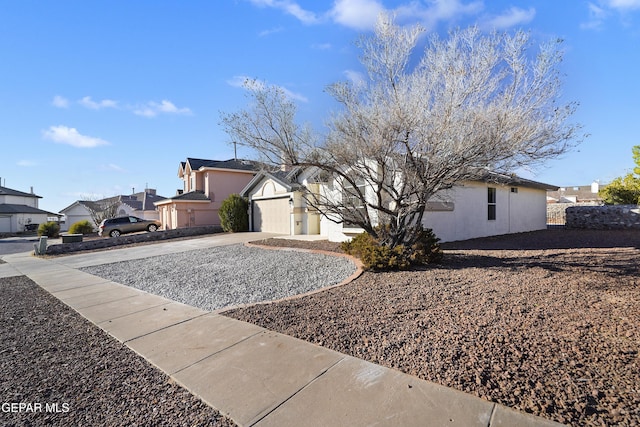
point(108, 242)
point(603, 217)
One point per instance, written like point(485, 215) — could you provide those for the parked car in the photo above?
point(126, 224)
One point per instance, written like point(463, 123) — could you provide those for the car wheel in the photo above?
point(114, 233)
point(152, 227)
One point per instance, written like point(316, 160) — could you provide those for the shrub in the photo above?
point(81, 227)
point(379, 257)
point(49, 229)
point(233, 214)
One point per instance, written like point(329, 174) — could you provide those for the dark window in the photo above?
point(491, 199)
point(514, 189)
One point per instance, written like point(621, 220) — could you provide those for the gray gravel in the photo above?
point(72, 373)
point(227, 276)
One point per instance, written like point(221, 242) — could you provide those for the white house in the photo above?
point(19, 210)
point(138, 204)
point(491, 205)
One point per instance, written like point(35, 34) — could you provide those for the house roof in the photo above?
point(138, 201)
point(4, 191)
point(8, 208)
point(285, 178)
point(236, 164)
point(513, 180)
point(191, 195)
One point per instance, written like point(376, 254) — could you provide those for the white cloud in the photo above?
point(249, 83)
point(152, 109)
point(71, 136)
point(26, 163)
point(270, 31)
point(356, 77)
point(623, 5)
point(512, 17)
point(291, 8)
point(356, 14)
point(60, 102)
point(91, 104)
point(112, 167)
point(597, 15)
point(321, 46)
point(438, 10)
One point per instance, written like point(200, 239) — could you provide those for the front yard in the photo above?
point(545, 322)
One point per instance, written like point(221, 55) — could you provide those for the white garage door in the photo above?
point(272, 216)
point(5, 224)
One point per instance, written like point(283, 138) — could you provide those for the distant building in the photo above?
point(578, 194)
point(139, 204)
point(19, 211)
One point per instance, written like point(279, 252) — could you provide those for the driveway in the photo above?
point(16, 245)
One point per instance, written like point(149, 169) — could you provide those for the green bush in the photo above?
point(234, 216)
point(49, 229)
point(378, 257)
point(81, 227)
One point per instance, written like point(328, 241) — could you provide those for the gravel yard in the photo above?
point(545, 322)
point(226, 276)
point(50, 355)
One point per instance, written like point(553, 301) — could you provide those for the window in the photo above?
point(491, 199)
point(514, 189)
point(351, 199)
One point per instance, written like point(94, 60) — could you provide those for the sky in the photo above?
point(106, 97)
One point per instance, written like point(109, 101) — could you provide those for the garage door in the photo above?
point(5, 224)
point(272, 216)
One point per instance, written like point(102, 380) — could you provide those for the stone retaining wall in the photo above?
point(603, 217)
point(108, 242)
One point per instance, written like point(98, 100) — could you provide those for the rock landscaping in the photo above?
point(545, 322)
point(67, 372)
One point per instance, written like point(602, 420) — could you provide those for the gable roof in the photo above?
point(8, 208)
point(4, 191)
point(285, 178)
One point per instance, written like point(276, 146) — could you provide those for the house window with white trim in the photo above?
point(491, 204)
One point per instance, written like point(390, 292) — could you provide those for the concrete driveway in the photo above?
point(16, 245)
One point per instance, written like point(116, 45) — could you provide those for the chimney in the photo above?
point(133, 190)
point(32, 189)
point(151, 191)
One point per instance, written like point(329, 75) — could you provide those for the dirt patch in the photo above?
point(545, 322)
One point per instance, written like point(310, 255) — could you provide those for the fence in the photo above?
point(557, 215)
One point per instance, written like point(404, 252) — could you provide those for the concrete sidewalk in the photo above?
point(254, 376)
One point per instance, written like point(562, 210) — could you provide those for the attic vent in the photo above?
point(514, 189)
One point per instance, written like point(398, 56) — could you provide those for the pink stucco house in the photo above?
point(206, 183)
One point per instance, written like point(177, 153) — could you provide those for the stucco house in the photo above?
point(18, 210)
point(139, 204)
point(206, 183)
point(492, 204)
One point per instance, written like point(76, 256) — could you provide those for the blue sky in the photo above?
point(101, 97)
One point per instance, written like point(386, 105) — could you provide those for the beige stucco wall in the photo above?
point(515, 212)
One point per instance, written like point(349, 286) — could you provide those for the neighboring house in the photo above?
point(577, 194)
point(491, 205)
point(138, 204)
point(206, 183)
point(19, 209)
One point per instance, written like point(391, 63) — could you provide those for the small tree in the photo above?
point(624, 190)
point(49, 229)
point(233, 213)
point(81, 227)
point(102, 209)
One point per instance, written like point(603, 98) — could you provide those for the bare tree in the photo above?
point(102, 209)
point(412, 129)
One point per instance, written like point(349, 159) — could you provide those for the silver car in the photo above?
point(126, 224)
